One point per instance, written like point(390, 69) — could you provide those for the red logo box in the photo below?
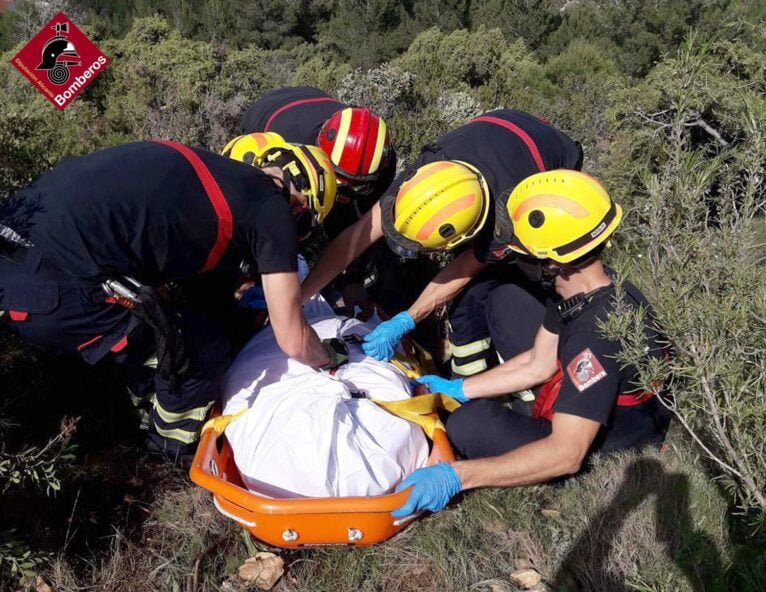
point(60, 61)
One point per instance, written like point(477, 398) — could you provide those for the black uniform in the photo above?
point(298, 114)
point(590, 384)
point(295, 113)
point(139, 210)
point(506, 146)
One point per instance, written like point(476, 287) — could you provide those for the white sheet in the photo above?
point(304, 435)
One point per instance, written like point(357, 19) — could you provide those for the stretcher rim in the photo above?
point(314, 521)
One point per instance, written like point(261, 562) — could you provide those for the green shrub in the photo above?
point(158, 83)
point(694, 236)
point(34, 135)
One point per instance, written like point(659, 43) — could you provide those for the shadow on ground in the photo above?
point(587, 565)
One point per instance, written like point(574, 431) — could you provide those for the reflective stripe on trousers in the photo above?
point(469, 368)
point(471, 358)
point(182, 426)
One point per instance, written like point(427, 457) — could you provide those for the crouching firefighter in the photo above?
point(90, 252)
point(453, 199)
point(589, 401)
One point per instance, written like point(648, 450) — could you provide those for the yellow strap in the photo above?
point(409, 368)
point(420, 410)
point(220, 423)
point(417, 410)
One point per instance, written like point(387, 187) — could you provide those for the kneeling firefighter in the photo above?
point(92, 250)
point(453, 199)
point(588, 401)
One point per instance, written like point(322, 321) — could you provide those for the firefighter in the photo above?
point(359, 145)
point(589, 401)
point(453, 199)
point(93, 248)
point(356, 140)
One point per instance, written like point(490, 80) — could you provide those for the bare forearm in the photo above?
point(448, 283)
point(294, 335)
point(512, 376)
point(309, 349)
point(534, 463)
point(528, 369)
point(342, 252)
point(433, 296)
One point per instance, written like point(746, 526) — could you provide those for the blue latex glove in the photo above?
point(253, 298)
point(382, 341)
point(451, 388)
point(432, 489)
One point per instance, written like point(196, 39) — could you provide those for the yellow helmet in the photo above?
point(561, 215)
point(445, 203)
point(311, 171)
point(250, 148)
point(309, 168)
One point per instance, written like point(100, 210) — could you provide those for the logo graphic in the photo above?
point(585, 370)
point(59, 54)
point(60, 61)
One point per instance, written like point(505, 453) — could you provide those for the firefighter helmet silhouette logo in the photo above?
point(585, 370)
point(60, 61)
point(58, 55)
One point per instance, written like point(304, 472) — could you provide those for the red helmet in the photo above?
point(358, 144)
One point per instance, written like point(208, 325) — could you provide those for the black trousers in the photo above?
point(68, 315)
point(498, 313)
point(488, 428)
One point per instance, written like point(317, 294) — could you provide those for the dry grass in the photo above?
point(635, 522)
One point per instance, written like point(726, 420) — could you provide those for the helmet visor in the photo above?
point(354, 190)
point(399, 244)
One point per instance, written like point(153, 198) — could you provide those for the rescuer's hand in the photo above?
point(432, 489)
point(451, 388)
point(381, 343)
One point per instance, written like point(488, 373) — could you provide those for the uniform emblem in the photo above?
point(585, 370)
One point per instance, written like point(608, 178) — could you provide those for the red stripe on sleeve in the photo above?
point(217, 200)
point(524, 136)
point(284, 108)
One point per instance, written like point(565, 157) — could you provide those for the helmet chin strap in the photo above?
point(548, 275)
point(566, 269)
point(540, 270)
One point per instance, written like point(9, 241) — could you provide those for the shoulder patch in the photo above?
point(585, 370)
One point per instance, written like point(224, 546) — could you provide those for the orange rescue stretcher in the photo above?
point(303, 522)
